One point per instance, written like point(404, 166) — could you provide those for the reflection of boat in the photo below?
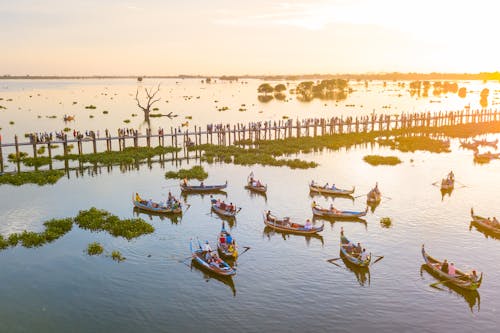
point(174, 218)
point(155, 207)
point(218, 266)
point(472, 297)
point(207, 275)
point(445, 192)
point(338, 214)
point(348, 252)
point(483, 224)
point(469, 145)
point(329, 196)
point(373, 206)
point(68, 118)
point(268, 231)
point(362, 273)
point(286, 225)
point(226, 213)
point(202, 188)
point(333, 220)
point(485, 157)
point(329, 190)
point(460, 279)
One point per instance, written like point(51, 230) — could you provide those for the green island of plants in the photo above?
point(381, 160)
point(196, 172)
point(100, 220)
point(32, 177)
point(128, 155)
point(117, 256)
point(386, 222)
point(94, 249)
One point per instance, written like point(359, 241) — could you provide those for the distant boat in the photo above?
point(354, 258)
point(286, 225)
point(338, 214)
point(202, 188)
point(374, 196)
point(155, 207)
point(217, 266)
point(314, 187)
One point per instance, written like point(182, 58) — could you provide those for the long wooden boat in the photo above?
point(220, 268)
point(328, 190)
point(373, 197)
point(460, 279)
point(469, 145)
point(484, 224)
point(353, 258)
point(486, 156)
point(155, 207)
point(286, 225)
point(202, 188)
point(226, 244)
point(224, 212)
point(260, 189)
point(485, 142)
point(338, 214)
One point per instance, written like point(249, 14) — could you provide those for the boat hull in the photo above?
point(347, 215)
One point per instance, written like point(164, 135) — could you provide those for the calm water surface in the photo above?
point(283, 283)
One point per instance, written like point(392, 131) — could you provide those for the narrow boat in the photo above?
point(374, 196)
point(202, 187)
point(469, 145)
point(286, 225)
point(338, 214)
point(217, 265)
point(154, 207)
point(486, 156)
point(226, 244)
point(256, 187)
point(485, 142)
point(485, 224)
point(314, 187)
point(448, 183)
point(348, 253)
point(225, 211)
point(460, 279)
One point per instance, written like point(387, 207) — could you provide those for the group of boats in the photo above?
point(481, 157)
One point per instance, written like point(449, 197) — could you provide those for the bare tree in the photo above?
point(150, 94)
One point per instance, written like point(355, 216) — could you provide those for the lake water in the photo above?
point(283, 283)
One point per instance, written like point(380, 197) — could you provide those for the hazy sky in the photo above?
point(120, 37)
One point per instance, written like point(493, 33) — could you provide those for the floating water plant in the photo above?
point(36, 162)
point(91, 107)
point(155, 115)
point(94, 249)
point(32, 177)
point(117, 256)
point(381, 160)
point(11, 122)
point(100, 220)
point(105, 112)
point(386, 222)
point(196, 172)
point(126, 121)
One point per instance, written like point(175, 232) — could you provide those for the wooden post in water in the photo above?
point(16, 143)
point(49, 149)
point(79, 143)
point(94, 143)
point(136, 138)
point(65, 146)
point(34, 151)
point(1, 155)
point(148, 137)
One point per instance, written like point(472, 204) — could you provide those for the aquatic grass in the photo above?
point(41, 150)
point(386, 222)
point(32, 177)
point(91, 107)
point(105, 112)
point(36, 162)
point(94, 249)
point(196, 172)
point(100, 220)
point(128, 155)
point(12, 157)
point(381, 160)
point(117, 256)
point(126, 121)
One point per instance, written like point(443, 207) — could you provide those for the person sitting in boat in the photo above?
point(150, 203)
point(326, 185)
point(207, 249)
point(229, 239)
point(137, 197)
point(375, 189)
point(451, 176)
point(230, 207)
point(444, 267)
point(350, 247)
point(495, 223)
point(451, 269)
point(313, 184)
point(308, 225)
point(364, 255)
point(268, 216)
point(333, 187)
point(313, 205)
point(201, 184)
point(473, 276)
point(258, 184)
point(185, 181)
point(356, 249)
point(222, 239)
point(341, 233)
point(222, 205)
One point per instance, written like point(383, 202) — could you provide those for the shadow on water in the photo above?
point(185, 195)
point(334, 220)
point(373, 205)
point(227, 280)
point(471, 297)
point(270, 232)
point(331, 196)
point(362, 273)
point(174, 218)
point(446, 192)
point(255, 194)
point(230, 220)
point(486, 232)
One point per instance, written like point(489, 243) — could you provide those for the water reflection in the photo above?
point(227, 280)
point(331, 196)
point(230, 220)
point(334, 220)
point(487, 233)
point(471, 297)
point(446, 192)
point(270, 232)
point(254, 194)
point(174, 218)
point(185, 195)
point(362, 273)
point(373, 205)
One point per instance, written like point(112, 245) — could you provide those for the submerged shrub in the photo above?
point(94, 249)
point(117, 256)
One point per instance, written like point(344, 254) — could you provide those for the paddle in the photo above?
point(377, 260)
point(359, 196)
point(332, 261)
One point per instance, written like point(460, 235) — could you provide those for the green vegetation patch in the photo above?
point(54, 229)
point(91, 107)
point(117, 256)
point(94, 249)
point(414, 143)
point(381, 160)
point(100, 220)
point(155, 115)
point(32, 177)
point(386, 222)
point(36, 162)
point(128, 155)
point(196, 172)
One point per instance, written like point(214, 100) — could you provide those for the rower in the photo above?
point(444, 267)
point(451, 269)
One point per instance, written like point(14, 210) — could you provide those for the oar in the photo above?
point(378, 259)
point(246, 249)
point(359, 196)
point(332, 261)
point(187, 205)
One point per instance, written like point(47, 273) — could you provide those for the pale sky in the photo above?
point(216, 37)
